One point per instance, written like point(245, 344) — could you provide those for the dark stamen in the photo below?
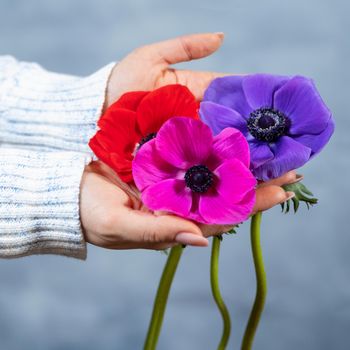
point(267, 124)
point(147, 138)
point(199, 178)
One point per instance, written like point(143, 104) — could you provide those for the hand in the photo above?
point(149, 67)
point(113, 216)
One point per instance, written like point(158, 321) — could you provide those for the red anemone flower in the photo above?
point(135, 119)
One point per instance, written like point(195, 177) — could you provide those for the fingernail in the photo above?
point(220, 34)
point(188, 238)
point(290, 195)
point(299, 177)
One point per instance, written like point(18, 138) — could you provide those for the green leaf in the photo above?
point(233, 230)
point(302, 194)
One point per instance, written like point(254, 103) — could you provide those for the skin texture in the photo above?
point(111, 212)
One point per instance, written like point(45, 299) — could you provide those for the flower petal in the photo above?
point(300, 101)
point(228, 91)
point(260, 153)
point(98, 149)
point(130, 100)
point(163, 103)
point(184, 142)
point(288, 155)
point(170, 195)
point(215, 210)
point(121, 165)
point(230, 144)
point(118, 127)
point(219, 117)
point(259, 89)
point(148, 168)
point(234, 180)
point(317, 142)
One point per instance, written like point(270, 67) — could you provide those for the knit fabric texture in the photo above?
point(46, 122)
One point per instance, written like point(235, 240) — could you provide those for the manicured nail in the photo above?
point(188, 238)
point(220, 34)
point(299, 177)
point(289, 195)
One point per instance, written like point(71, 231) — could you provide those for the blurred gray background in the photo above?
point(51, 302)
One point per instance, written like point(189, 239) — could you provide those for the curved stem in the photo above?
point(261, 285)
point(160, 301)
point(214, 281)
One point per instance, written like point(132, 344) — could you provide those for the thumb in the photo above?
point(185, 48)
point(151, 229)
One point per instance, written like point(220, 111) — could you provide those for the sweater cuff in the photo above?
point(39, 203)
point(51, 110)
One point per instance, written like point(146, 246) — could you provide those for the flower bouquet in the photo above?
point(204, 161)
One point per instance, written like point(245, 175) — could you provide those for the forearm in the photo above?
point(39, 203)
point(41, 109)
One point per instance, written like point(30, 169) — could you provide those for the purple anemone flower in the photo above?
point(186, 171)
point(284, 119)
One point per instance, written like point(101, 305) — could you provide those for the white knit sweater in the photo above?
point(46, 121)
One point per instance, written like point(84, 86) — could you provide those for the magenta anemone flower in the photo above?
point(186, 171)
point(284, 119)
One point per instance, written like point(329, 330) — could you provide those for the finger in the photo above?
point(197, 82)
point(161, 246)
point(207, 230)
point(183, 48)
point(213, 230)
point(269, 196)
point(142, 245)
point(150, 229)
point(287, 178)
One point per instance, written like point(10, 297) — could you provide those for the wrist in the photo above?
point(111, 94)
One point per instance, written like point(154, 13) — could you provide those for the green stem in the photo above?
point(162, 297)
point(261, 285)
point(214, 281)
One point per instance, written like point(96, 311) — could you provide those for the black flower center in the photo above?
point(145, 139)
point(267, 124)
point(199, 178)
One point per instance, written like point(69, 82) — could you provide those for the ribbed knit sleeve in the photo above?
point(39, 203)
point(50, 111)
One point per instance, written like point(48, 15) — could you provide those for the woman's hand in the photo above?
point(149, 67)
point(113, 216)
